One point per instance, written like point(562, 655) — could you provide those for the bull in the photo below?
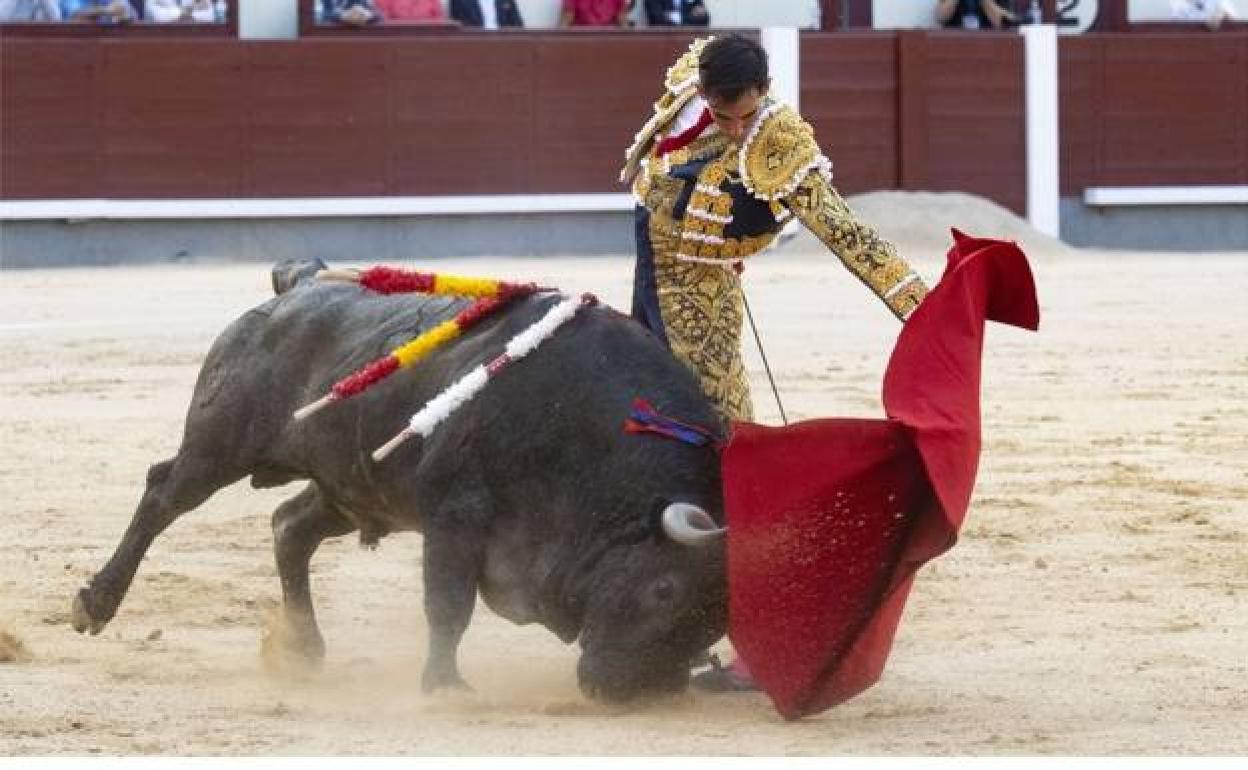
point(531, 495)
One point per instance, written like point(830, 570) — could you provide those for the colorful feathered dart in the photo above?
point(491, 296)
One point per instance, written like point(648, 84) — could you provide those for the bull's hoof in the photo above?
point(287, 652)
point(436, 680)
point(81, 618)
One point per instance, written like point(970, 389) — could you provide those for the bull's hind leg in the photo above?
point(454, 555)
point(173, 488)
point(299, 526)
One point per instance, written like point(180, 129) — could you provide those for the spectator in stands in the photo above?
point(29, 10)
point(594, 13)
point(356, 13)
point(490, 14)
point(975, 14)
point(169, 11)
point(1211, 12)
point(676, 13)
point(411, 10)
point(99, 11)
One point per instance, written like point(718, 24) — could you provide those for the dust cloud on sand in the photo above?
point(1094, 604)
point(12, 649)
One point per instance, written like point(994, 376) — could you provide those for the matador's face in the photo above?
point(734, 118)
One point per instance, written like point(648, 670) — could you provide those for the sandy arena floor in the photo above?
point(1096, 603)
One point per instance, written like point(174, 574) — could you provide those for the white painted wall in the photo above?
point(260, 19)
point(268, 19)
point(784, 57)
point(1148, 10)
point(888, 14)
point(903, 14)
point(279, 18)
point(724, 13)
point(763, 13)
point(536, 13)
point(918, 14)
point(1159, 10)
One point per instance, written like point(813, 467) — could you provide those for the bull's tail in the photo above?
point(288, 273)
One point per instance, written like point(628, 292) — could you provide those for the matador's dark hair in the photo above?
point(731, 65)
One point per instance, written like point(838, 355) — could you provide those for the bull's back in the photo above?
point(290, 351)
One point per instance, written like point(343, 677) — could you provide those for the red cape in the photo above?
point(828, 520)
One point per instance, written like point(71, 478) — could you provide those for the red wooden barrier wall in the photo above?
point(1154, 109)
point(126, 117)
point(919, 111)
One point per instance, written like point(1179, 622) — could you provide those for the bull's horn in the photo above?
point(688, 524)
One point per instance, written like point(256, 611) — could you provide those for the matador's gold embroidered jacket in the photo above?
point(706, 206)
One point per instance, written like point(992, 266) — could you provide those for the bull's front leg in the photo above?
point(454, 557)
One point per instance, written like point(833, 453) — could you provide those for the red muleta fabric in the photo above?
point(829, 519)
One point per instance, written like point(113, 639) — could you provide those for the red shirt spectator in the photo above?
point(411, 10)
point(594, 13)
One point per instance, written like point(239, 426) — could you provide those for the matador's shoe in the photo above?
point(734, 677)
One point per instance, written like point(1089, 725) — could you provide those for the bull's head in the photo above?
point(654, 606)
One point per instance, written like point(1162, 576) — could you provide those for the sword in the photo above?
point(759, 341)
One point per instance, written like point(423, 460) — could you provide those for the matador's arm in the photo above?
point(874, 260)
point(781, 162)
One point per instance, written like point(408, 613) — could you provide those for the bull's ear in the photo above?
point(654, 519)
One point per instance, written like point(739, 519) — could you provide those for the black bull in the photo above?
point(531, 494)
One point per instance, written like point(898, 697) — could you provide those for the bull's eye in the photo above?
point(662, 591)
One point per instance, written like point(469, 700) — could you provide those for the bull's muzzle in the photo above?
point(688, 524)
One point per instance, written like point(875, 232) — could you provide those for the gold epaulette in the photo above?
point(683, 75)
point(680, 84)
point(779, 152)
